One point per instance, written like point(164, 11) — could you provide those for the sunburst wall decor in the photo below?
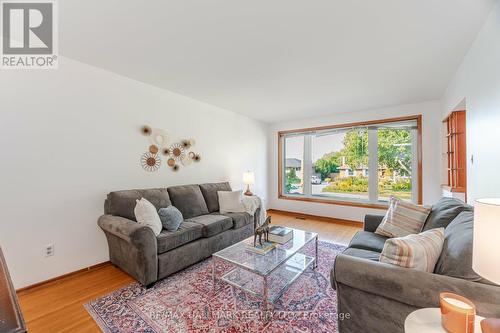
point(176, 153)
point(150, 162)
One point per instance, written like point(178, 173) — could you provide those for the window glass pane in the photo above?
point(294, 165)
point(395, 163)
point(340, 164)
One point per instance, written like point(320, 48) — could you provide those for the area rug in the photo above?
point(186, 302)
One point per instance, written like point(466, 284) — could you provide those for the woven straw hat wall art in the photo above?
point(177, 154)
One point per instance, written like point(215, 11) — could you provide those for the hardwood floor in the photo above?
point(58, 306)
point(330, 230)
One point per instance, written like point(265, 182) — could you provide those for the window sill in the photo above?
point(453, 189)
point(335, 202)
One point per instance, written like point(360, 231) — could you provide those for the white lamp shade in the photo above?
point(248, 178)
point(486, 242)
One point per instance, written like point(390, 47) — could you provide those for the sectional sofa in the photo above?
point(379, 296)
point(148, 258)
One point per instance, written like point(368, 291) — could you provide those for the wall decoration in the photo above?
point(177, 153)
point(186, 144)
point(158, 137)
point(150, 162)
point(146, 130)
point(186, 160)
point(153, 149)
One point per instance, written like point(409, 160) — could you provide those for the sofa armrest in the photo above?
point(372, 222)
point(125, 229)
point(412, 287)
point(132, 247)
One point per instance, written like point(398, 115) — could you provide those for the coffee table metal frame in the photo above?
point(294, 262)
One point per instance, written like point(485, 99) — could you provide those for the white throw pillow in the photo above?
point(419, 252)
point(231, 202)
point(145, 213)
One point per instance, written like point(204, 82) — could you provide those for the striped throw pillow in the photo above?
point(403, 219)
point(420, 251)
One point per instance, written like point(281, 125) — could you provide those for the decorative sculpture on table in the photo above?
point(262, 230)
point(176, 153)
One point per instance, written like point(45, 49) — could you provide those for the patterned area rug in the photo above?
point(186, 302)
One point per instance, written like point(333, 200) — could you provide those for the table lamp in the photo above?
point(248, 179)
point(486, 247)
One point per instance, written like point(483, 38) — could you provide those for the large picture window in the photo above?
point(355, 164)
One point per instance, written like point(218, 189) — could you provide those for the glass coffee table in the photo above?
point(266, 276)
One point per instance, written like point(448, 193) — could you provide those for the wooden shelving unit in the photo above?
point(456, 152)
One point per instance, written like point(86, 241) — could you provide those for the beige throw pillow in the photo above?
point(145, 213)
point(403, 219)
point(231, 202)
point(419, 252)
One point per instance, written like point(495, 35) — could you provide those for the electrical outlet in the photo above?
point(49, 250)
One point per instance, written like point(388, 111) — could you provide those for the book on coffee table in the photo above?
point(261, 249)
point(280, 235)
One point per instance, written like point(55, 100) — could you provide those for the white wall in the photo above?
point(70, 136)
point(478, 82)
point(431, 114)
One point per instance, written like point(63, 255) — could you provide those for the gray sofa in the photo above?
point(379, 296)
point(136, 250)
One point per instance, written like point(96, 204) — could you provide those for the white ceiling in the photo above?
point(276, 60)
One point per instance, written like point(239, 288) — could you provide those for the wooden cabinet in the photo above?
point(455, 152)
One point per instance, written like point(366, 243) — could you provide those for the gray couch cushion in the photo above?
point(209, 192)
point(445, 211)
point(456, 257)
point(368, 241)
point(364, 254)
point(239, 219)
point(189, 200)
point(187, 232)
point(122, 203)
point(182, 257)
point(212, 224)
